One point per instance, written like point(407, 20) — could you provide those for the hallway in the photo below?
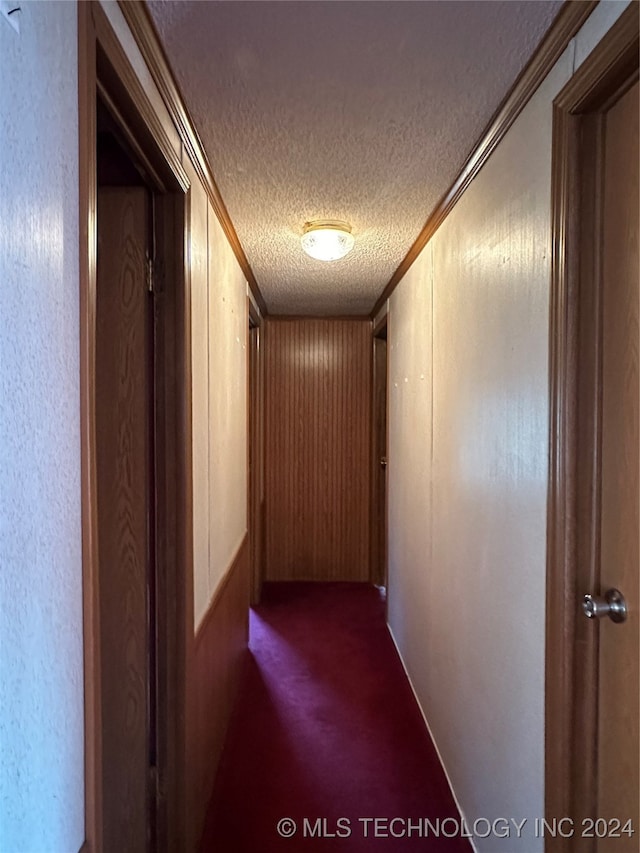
point(305, 299)
point(326, 726)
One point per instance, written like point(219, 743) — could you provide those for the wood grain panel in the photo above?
point(123, 452)
point(317, 449)
point(217, 655)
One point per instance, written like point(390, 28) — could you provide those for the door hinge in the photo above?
point(150, 275)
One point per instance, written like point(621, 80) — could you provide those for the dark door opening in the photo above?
point(379, 475)
point(139, 579)
point(255, 451)
point(126, 496)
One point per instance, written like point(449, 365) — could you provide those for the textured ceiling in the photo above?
point(359, 111)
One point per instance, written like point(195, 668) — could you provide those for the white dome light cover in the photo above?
point(327, 240)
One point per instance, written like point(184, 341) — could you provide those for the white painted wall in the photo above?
point(200, 390)
point(219, 324)
point(468, 436)
point(228, 331)
point(41, 669)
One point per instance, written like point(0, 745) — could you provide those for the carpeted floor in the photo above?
point(326, 733)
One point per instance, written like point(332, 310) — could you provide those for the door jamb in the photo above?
point(255, 449)
point(104, 69)
point(379, 331)
point(575, 393)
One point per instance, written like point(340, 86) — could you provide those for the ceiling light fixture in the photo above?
point(327, 240)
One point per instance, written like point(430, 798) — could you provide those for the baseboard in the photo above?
point(218, 653)
point(433, 740)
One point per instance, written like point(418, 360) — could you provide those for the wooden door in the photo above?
point(618, 755)
point(124, 446)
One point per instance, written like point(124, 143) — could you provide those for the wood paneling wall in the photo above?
point(216, 656)
point(317, 448)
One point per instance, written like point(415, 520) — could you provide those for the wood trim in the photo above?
point(375, 558)
point(575, 403)
point(87, 267)
point(184, 527)
point(607, 71)
point(566, 24)
point(379, 332)
point(253, 313)
point(380, 326)
point(146, 35)
point(117, 77)
point(255, 448)
point(389, 317)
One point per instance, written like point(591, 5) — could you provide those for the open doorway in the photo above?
point(136, 488)
point(127, 385)
point(255, 434)
point(379, 573)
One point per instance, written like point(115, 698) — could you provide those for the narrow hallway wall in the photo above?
point(41, 646)
point(468, 437)
point(219, 324)
point(219, 327)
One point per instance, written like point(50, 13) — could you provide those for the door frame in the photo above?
point(105, 73)
point(255, 449)
point(379, 332)
point(575, 399)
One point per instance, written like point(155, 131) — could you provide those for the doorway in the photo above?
point(592, 704)
point(136, 505)
point(255, 434)
point(127, 467)
point(379, 574)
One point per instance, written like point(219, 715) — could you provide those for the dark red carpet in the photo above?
point(326, 732)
